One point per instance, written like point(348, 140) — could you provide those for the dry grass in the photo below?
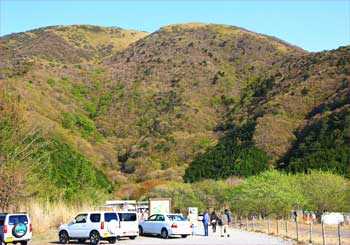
point(46, 217)
point(331, 231)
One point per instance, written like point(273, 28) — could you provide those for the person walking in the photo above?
point(206, 222)
point(223, 223)
point(214, 220)
point(192, 217)
point(228, 217)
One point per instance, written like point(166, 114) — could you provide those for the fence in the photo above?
point(301, 231)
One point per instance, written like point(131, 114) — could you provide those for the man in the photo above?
point(223, 222)
point(205, 222)
point(228, 217)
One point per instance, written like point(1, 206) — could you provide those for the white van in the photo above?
point(128, 224)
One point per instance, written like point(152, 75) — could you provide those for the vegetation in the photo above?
point(233, 155)
point(276, 194)
point(130, 113)
point(324, 144)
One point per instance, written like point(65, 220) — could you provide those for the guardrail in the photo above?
point(300, 231)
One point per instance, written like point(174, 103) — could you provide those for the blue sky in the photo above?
point(310, 24)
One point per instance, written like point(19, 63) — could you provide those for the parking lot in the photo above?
point(236, 237)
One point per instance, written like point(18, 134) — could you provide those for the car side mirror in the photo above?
point(74, 221)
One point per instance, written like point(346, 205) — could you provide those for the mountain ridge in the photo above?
point(143, 106)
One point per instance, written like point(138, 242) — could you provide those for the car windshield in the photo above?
point(15, 219)
point(176, 217)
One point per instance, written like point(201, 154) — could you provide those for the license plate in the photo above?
point(105, 235)
point(9, 239)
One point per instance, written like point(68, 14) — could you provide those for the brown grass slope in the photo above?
point(175, 86)
point(143, 106)
point(301, 90)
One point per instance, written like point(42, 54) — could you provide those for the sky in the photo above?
point(314, 25)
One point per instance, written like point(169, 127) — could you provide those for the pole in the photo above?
point(277, 226)
point(236, 221)
point(268, 226)
point(310, 232)
point(323, 238)
point(287, 227)
point(339, 234)
point(246, 222)
point(253, 223)
point(297, 227)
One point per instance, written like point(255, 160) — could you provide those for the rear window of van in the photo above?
point(110, 216)
point(127, 216)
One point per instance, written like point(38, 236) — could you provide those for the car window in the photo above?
point(152, 218)
point(81, 218)
point(160, 218)
point(2, 220)
point(110, 216)
point(176, 218)
point(127, 216)
point(15, 219)
point(94, 218)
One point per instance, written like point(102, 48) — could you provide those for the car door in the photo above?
point(148, 224)
point(93, 223)
point(158, 224)
point(78, 226)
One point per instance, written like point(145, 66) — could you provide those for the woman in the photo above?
point(214, 220)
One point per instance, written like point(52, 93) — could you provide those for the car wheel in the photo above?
point(94, 237)
point(140, 230)
point(112, 240)
point(164, 233)
point(24, 243)
point(132, 237)
point(81, 240)
point(63, 237)
point(183, 236)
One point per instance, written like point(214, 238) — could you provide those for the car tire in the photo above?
point(164, 233)
point(141, 230)
point(81, 241)
point(183, 236)
point(132, 237)
point(112, 240)
point(25, 243)
point(94, 238)
point(63, 237)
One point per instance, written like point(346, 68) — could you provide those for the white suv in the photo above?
point(15, 228)
point(95, 226)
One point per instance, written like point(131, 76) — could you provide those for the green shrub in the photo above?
point(68, 120)
point(51, 81)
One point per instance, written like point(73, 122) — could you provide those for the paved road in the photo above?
point(237, 237)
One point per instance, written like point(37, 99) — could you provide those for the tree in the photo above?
point(269, 193)
point(18, 147)
point(324, 191)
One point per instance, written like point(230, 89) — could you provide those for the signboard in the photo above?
point(193, 210)
point(159, 205)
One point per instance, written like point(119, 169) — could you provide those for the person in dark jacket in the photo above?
point(228, 217)
point(214, 220)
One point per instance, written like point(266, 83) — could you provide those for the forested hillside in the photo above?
point(124, 111)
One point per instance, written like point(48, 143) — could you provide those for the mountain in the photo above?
point(188, 101)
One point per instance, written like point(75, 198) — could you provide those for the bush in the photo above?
point(51, 81)
point(68, 120)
